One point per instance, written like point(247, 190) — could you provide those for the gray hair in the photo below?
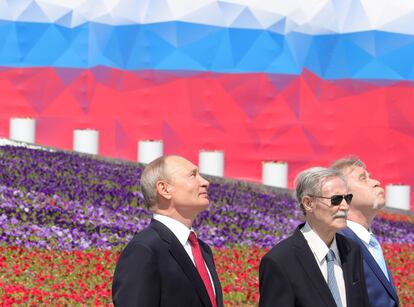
point(349, 162)
point(153, 172)
point(311, 180)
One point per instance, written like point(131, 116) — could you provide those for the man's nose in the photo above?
point(344, 205)
point(204, 182)
point(375, 182)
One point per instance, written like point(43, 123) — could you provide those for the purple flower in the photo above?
point(59, 200)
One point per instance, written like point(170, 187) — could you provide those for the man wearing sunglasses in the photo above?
point(316, 266)
point(368, 200)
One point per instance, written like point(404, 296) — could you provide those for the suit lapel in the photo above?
point(388, 284)
point(183, 260)
point(391, 282)
point(307, 260)
point(378, 272)
point(347, 264)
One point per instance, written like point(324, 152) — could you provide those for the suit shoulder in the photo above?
point(148, 238)
point(282, 250)
point(351, 236)
point(342, 238)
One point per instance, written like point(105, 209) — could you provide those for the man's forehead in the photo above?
point(333, 183)
point(177, 163)
point(356, 171)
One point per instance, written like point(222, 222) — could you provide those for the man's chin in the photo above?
point(204, 200)
point(205, 203)
point(379, 204)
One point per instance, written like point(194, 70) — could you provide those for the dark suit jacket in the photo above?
point(290, 276)
point(381, 292)
point(155, 270)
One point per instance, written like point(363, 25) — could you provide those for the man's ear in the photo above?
point(307, 203)
point(163, 189)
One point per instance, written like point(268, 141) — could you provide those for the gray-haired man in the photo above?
point(316, 266)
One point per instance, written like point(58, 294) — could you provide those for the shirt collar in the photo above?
point(360, 231)
point(179, 229)
point(317, 245)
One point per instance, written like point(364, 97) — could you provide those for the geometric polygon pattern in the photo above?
point(303, 119)
point(183, 46)
point(312, 17)
point(301, 81)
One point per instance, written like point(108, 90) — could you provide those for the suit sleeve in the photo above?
point(274, 286)
point(136, 278)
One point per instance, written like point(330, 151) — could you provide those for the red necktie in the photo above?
point(201, 267)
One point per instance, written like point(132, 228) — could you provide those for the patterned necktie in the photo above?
point(333, 286)
point(378, 255)
point(201, 267)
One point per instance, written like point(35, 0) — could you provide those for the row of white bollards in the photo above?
point(274, 173)
point(210, 162)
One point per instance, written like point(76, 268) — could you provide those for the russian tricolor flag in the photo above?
point(301, 81)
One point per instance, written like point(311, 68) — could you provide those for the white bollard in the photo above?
point(275, 173)
point(23, 130)
point(211, 162)
point(149, 150)
point(86, 141)
point(398, 196)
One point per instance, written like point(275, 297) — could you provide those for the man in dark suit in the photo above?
point(165, 264)
point(368, 200)
point(316, 267)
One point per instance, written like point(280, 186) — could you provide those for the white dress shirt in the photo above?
point(320, 250)
point(182, 233)
point(363, 234)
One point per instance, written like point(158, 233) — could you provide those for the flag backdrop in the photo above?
point(302, 81)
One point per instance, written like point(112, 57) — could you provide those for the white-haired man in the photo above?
point(368, 200)
point(316, 266)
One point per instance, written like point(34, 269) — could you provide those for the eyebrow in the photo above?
point(365, 173)
point(194, 170)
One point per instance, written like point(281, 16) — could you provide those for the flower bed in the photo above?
point(58, 278)
point(33, 219)
point(73, 214)
point(85, 277)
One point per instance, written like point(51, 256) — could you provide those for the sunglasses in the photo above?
point(336, 200)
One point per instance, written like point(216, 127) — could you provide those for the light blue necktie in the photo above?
point(378, 255)
point(333, 286)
